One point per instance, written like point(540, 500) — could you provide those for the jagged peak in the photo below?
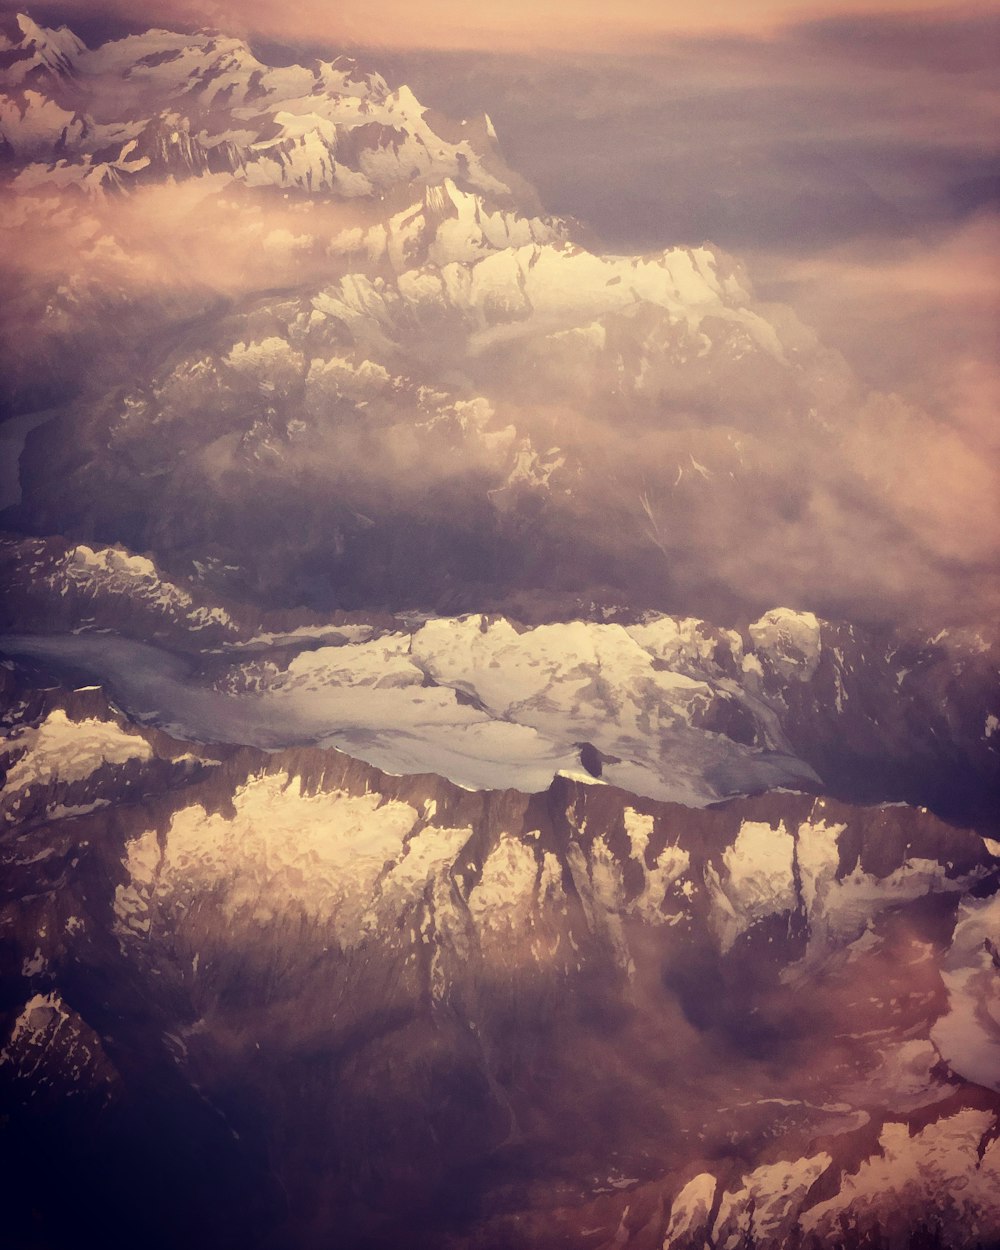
point(407, 100)
point(350, 70)
point(219, 79)
point(56, 49)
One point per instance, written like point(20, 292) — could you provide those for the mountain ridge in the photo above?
point(581, 898)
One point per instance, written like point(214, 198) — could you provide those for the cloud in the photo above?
point(947, 40)
point(745, 141)
point(92, 282)
point(515, 25)
point(843, 194)
point(917, 317)
point(848, 161)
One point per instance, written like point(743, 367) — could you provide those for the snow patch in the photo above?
point(502, 901)
point(756, 880)
point(908, 1177)
point(690, 1210)
point(40, 1015)
point(790, 641)
point(61, 749)
point(968, 1035)
point(764, 1211)
point(282, 852)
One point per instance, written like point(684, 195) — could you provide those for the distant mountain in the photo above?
point(341, 318)
point(163, 104)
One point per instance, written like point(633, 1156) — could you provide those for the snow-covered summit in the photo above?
point(446, 225)
point(791, 640)
point(41, 50)
point(328, 126)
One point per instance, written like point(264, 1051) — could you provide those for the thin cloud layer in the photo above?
point(796, 487)
point(794, 140)
point(850, 161)
point(859, 480)
point(516, 25)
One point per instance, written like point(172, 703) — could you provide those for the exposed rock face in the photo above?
point(387, 1007)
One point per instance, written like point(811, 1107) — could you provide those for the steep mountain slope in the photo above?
point(328, 127)
point(380, 1002)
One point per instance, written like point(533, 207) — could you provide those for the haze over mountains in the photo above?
point(540, 783)
point(494, 369)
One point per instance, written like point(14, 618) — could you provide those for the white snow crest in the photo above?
point(428, 855)
point(845, 907)
point(639, 828)
point(40, 1015)
point(690, 1210)
point(132, 899)
point(819, 858)
point(790, 640)
point(686, 643)
point(908, 1177)
point(111, 560)
point(601, 890)
point(502, 901)
point(264, 357)
point(110, 570)
point(968, 1035)
point(61, 749)
point(765, 1210)
point(304, 112)
point(49, 1037)
point(671, 864)
point(283, 852)
point(756, 881)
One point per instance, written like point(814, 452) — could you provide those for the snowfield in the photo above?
point(474, 699)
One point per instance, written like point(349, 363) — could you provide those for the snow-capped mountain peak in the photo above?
point(41, 51)
point(328, 127)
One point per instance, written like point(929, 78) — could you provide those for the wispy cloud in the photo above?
point(515, 25)
point(847, 159)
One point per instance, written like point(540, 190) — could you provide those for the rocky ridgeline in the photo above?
point(56, 586)
point(488, 1018)
point(203, 103)
point(672, 706)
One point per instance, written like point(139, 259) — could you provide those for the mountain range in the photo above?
point(494, 758)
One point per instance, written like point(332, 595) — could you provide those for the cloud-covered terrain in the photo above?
point(843, 457)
